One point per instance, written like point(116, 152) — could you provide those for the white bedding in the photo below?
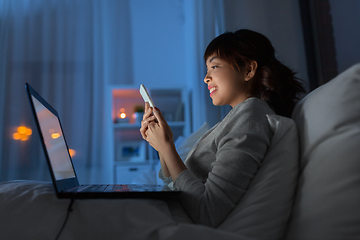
point(30, 210)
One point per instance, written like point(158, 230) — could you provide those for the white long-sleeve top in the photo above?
point(224, 161)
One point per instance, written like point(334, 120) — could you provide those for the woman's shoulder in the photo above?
point(250, 115)
point(252, 108)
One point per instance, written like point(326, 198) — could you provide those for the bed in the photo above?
point(316, 197)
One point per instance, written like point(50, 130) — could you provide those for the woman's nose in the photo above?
point(207, 79)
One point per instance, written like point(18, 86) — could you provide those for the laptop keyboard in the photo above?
point(118, 188)
point(101, 188)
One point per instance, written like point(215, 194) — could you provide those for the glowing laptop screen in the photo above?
point(54, 142)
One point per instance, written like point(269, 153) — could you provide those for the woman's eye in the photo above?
point(213, 67)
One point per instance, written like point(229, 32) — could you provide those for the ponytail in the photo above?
point(277, 85)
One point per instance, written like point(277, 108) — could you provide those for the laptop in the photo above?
point(61, 166)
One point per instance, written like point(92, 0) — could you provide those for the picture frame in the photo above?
point(133, 151)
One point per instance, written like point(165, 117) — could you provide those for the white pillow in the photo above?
point(327, 205)
point(264, 210)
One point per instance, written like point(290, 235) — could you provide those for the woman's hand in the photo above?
point(155, 129)
point(147, 118)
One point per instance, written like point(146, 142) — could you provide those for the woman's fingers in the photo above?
point(147, 106)
point(147, 111)
point(144, 125)
point(147, 117)
point(143, 130)
point(152, 120)
point(146, 121)
point(163, 124)
point(143, 134)
point(159, 116)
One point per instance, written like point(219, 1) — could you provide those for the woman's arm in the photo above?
point(171, 159)
point(164, 169)
point(160, 137)
point(147, 118)
point(228, 158)
point(157, 132)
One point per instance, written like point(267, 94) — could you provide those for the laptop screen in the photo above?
point(54, 141)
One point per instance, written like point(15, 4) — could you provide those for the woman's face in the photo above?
point(226, 85)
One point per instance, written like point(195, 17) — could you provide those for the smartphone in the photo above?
point(145, 95)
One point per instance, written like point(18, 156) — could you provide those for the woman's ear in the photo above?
point(251, 70)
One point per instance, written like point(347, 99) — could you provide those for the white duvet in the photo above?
point(30, 210)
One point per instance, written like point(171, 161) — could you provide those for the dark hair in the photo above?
point(273, 82)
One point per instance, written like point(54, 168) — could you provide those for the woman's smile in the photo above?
point(212, 89)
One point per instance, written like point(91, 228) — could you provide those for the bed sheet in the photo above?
point(30, 210)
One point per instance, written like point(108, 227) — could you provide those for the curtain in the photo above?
point(68, 51)
point(204, 20)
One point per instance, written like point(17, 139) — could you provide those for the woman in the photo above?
point(242, 72)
